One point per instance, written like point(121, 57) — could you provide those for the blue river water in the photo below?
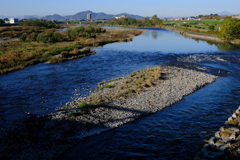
point(176, 132)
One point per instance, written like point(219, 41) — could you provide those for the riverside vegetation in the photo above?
point(229, 27)
point(35, 48)
point(27, 27)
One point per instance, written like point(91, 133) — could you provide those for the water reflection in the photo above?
point(221, 46)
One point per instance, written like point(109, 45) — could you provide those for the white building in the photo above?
point(122, 16)
point(191, 18)
point(237, 17)
point(13, 20)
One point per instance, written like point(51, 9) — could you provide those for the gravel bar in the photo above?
point(49, 136)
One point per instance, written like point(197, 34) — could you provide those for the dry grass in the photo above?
point(73, 54)
point(16, 31)
point(225, 134)
point(17, 55)
point(135, 82)
point(233, 122)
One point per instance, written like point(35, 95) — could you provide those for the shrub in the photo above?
point(23, 37)
point(33, 29)
point(98, 30)
point(40, 23)
point(230, 29)
point(211, 28)
point(32, 37)
point(50, 36)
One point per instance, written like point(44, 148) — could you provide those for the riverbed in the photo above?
point(41, 88)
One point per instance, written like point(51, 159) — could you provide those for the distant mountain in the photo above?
point(225, 13)
point(53, 17)
point(83, 15)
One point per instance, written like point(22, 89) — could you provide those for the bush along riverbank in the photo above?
point(202, 36)
point(36, 48)
point(112, 104)
point(226, 142)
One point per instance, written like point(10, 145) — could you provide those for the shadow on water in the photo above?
point(47, 134)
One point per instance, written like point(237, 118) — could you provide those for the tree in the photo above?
point(230, 29)
point(1, 21)
point(211, 28)
point(6, 19)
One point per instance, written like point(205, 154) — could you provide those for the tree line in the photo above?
point(146, 22)
point(52, 36)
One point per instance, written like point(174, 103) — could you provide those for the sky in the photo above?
point(163, 8)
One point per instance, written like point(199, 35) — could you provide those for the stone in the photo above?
point(217, 134)
point(234, 115)
point(233, 136)
point(237, 111)
point(230, 118)
point(222, 129)
point(223, 147)
point(211, 141)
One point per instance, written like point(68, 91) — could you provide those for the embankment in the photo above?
point(202, 36)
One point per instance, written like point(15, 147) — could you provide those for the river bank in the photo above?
point(16, 55)
point(49, 136)
point(225, 142)
point(202, 36)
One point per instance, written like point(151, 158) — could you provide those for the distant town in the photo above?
point(89, 17)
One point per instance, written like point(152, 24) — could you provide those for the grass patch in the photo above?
point(220, 142)
point(233, 122)
point(108, 86)
point(72, 114)
point(135, 82)
point(83, 104)
point(225, 134)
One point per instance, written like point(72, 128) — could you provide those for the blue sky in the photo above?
point(162, 8)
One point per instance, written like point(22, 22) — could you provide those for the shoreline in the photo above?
point(225, 142)
point(50, 136)
point(201, 36)
point(43, 52)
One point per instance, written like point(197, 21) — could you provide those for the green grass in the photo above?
point(220, 142)
point(203, 26)
point(72, 114)
point(83, 104)
point(108, 86)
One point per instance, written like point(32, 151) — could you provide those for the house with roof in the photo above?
point(122, 16)
point(13, 20)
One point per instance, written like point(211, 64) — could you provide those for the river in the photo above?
point(176, 132)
